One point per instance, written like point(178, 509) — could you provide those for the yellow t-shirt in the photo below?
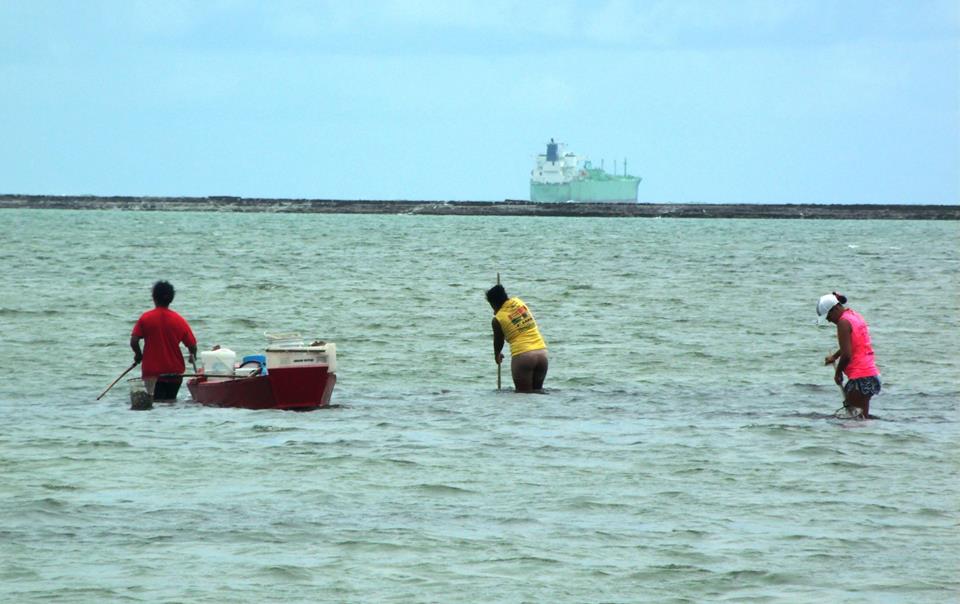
point(519, 327)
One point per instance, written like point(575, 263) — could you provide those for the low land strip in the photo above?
point(509, 207)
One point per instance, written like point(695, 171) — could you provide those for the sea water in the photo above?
point(686, 450)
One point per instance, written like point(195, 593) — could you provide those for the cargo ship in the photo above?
point(560, 176)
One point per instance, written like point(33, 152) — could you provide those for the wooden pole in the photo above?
point(498, 364)
point(116, 380)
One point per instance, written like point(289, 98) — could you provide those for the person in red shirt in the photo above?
point(164, 330)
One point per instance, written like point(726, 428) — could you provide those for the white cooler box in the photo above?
point(287, 356)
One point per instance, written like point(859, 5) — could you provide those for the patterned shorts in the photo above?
point(867, 386)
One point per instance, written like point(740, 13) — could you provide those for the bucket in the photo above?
point(140, 399)
point(218, 363)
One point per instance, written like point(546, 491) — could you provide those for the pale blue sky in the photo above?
point(710, 101)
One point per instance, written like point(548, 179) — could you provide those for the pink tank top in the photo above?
point(861, 352)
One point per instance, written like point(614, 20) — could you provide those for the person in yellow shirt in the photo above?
point(513, 322)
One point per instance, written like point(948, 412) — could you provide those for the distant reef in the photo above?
point(508, 207)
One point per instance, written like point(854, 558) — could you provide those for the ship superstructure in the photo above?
point(560, 176)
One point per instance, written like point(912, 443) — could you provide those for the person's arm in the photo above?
point(190, 341)
point(844, 331)
point(497, 341)
point(135, 345)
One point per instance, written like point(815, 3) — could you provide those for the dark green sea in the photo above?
point(686, 450)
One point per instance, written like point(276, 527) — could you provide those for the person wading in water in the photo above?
point(514, 323)
point(164, 330)
point(855, 357)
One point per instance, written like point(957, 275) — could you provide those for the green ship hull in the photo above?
point(616, 189)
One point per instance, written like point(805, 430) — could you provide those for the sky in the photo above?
point(709, 101)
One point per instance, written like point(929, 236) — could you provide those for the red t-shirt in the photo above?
point(163, 330)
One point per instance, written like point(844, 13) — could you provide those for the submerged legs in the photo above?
point(529, 370)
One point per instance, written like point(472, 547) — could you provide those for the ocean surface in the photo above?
point(686, 450)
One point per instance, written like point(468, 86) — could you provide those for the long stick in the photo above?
point(210, 375)
point(843, 392)
point(834, 365)
point(117, 380)
point(498, 364)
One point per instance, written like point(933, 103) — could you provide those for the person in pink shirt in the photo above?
point(855, 357)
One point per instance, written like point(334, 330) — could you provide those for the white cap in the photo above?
point(827, 301)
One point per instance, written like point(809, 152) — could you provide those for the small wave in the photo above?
point(515, 521)
point(897, 437)
point(845, 465)
point(814, 387)
point(662, 571)
point(671, 494)
point(521, 559)
point(13, 312)
point(812, 415)
point(377, 545)
point(877, 507)
point(15, 571)
point(932, 513)
point(816, 451)
point(402, 462)
point(776, 428)
point(157, 539)
point(49, 504)
point(591, 504)
point(696, 469)
point(265, 428)
point(286, 572)
point(336, 459)
point(757, 576)
point(440, 489)
point(261, 286)
point(121, 444)
point(60, 487)
point(90, 594)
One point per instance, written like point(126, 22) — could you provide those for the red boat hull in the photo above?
point(300, 388)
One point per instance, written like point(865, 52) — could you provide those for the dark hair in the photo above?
point(496, 296)
point(163, 293)
point(840, 298)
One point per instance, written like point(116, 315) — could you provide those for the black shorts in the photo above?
point(867, 386)
point(166, 389)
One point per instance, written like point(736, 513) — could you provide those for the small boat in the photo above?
point(291, 375)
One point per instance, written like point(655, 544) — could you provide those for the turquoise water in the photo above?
point(685, 452)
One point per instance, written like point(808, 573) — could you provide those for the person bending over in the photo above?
point(513, 322)
point(855, 357)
